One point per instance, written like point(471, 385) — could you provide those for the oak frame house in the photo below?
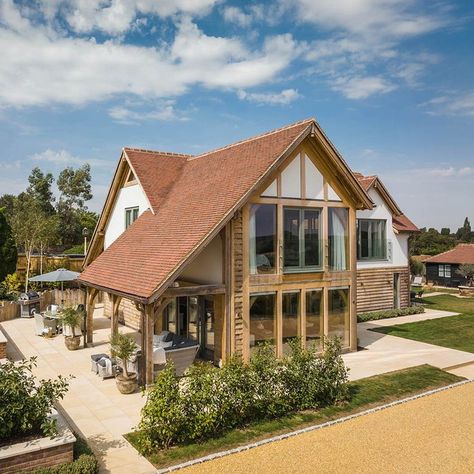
point(253, 242)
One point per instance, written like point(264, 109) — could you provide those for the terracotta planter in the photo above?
point(72, 343)
point(128, 384)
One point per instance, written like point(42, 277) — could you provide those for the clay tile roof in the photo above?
point(365, 181)
point(403, 224)
point(462, 253)
point(199, 194)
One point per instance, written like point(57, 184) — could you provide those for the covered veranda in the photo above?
point(153, 320)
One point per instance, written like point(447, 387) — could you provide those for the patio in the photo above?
point(94, 407)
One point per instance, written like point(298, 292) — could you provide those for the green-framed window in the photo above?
point(371, 239)
point(302, 238)
point(131, 215)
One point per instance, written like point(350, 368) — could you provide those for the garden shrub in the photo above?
point(391, 313)
point(26, 403)
point(208, 401)
point(84, 464)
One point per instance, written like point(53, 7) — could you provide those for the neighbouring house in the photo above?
point(383, 262)
point(442, 269)
point(253, 242)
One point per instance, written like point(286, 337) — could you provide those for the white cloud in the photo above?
point(39, 67)
point(455, 104)
point(237, 16)
point(64, 157)
point(451, 171)
point(166, 112)
point(117, 16)
point(362, 87)
point(280, 98)
point(394, 18)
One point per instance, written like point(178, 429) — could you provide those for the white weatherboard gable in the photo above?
point(291, 180)
point(398, 242)
point(332, 195)
point(129, 196)
point(314, 180)
point(272, 190)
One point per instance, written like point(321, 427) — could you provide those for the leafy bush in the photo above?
point(84, 464)
point(25, 403)
point(10, 287)
point(209, 401)
point(391, 313)
point(123, 347)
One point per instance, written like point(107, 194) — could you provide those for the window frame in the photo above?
point(444, 270)
point(132, 210)
point(370, 244)
point(302, 268)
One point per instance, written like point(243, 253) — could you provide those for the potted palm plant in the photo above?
point(72, 318)
point(123, 347)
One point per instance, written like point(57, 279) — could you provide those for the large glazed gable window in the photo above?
point(262, 245)
point(262, 319)
point(131, 215)
point(371, 239)
point(338, 220)
point(301, 239)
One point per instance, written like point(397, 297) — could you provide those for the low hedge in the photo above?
point(209, 401)
point(391, 313)
point(84, 464)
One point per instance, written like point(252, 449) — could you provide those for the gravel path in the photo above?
point(434, 434)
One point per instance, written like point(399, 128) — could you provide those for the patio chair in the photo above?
point(39, 324)
point(51, 323)
point(52, 308)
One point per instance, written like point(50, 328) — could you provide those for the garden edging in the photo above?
point(40, 452)
point(281, 437)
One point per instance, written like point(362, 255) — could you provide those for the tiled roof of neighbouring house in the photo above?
point(462, 253)
point(400, 222)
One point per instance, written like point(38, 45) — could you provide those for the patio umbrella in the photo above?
point(59, 275)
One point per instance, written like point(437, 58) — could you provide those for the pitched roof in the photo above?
point(204, 195)
point(462, 253)
point(400, 221)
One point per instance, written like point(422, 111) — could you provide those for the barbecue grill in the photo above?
point(29, 304)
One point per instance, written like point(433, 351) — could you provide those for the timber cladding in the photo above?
point(238, 282)
point(375, 288)
point(128, 312)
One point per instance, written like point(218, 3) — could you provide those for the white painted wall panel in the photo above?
point(130, 196)
point(291, 179)
point(314, 180)
point(272, 190)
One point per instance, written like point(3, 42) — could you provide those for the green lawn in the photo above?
point(455, 332)
point(364, 394)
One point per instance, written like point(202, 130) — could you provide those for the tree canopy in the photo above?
point(8, 251)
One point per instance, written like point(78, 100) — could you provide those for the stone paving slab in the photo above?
point(93, 407)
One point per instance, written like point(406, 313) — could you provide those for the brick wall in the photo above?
point(43, 458)
point(3, 350)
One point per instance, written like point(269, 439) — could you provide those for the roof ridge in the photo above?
point(255, 137)
point(158, 152)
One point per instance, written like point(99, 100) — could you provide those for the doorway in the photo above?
point(193, 317)
point(396, 290)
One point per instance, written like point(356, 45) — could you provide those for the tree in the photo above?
point(40, 189)
point(8, 251)
point(7, 201)
point(445, 231)
point(431, 242)
point(464, 233)
point(29, 223)
point(467, 271)
point(75, 189)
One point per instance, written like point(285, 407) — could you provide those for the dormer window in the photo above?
point(131, 215)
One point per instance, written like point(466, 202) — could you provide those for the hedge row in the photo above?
point(391, 313)
point(84, 464)
point(209, 401)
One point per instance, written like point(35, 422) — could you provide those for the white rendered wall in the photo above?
point(290, 179)
point(206, 268)
point(130, 196)
point(399, 242)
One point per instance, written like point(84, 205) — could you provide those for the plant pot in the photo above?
point(72, 342)
point(128, 384)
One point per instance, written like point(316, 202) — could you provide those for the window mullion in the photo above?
point(302, 244)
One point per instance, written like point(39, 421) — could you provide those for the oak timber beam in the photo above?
point(194, 290)
point(149, 330)
point(115, 316)
point(91, 295)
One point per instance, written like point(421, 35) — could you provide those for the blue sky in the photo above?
point(390, 81)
